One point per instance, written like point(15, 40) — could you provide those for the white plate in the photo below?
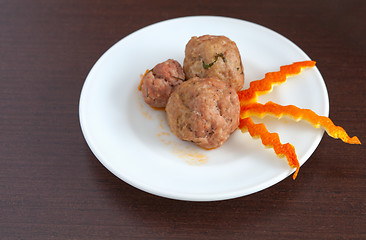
point(133, 141)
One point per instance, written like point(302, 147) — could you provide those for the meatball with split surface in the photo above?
point(214, 56)
point(159, 83)
point(204, 111)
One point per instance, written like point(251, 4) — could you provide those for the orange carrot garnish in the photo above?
point(142, 77)
point(298, 114)
point(271, 140)
point(266, 84)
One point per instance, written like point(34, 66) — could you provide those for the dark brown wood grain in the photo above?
point(52, 186)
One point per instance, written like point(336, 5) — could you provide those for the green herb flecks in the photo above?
point(207, 66)
point(178, 78)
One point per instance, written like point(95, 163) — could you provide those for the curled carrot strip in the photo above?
point(298, 114)
point(266, 84)
point(271, 140)
point(142, 77)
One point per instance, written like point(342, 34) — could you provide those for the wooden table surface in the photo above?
point(53, 187)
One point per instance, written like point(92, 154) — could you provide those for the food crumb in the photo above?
point(188, 154)
point(163, 134)
point(191, 156)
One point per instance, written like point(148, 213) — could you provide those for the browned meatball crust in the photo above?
point(214, 56)
point(204, 111)
point(158, 84)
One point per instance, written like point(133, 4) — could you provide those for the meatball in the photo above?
point(204, 111)
point(158, 84)
point(214, 56)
